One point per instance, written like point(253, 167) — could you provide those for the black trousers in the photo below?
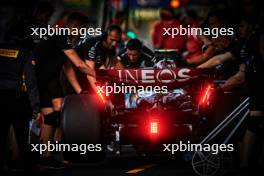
point(15, 110)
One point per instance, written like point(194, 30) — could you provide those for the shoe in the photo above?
point(51, 163)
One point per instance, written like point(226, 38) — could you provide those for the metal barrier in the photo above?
point(227, 121)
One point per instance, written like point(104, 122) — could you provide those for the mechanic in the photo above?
point(209, 52)
point(222, 44)
point(168, 20)
point(210, 48)
point(67, 73)
point(193, 42)
point(135, 55)
point(50, 56)
point(251, 70)
point(224, 62)
point(19, 100)
point(98, 53)
point(38, 19)
point(254, 64)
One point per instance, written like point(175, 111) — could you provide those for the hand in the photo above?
point(93, 73)
point(78, 91)
point(39, 119)
point(109, 105)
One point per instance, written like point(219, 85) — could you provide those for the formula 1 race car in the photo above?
point(146, 119)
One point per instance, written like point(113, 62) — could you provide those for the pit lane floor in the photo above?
point(129, 164)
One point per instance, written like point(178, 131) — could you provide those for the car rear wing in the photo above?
point(170, 77)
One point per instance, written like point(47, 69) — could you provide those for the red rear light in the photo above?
point(101, 96)
point(100, 92)
point(154, 127)
point(205, 95)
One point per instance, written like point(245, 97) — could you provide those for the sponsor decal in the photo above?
point(9, 53)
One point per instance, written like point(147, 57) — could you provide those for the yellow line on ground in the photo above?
point(139, 169)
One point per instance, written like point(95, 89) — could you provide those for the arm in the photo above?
point(235, 80)
point(33, 92)
point(204, 39)
point(31, 83)
point(117, 64)
point(216, 60)
point(75, 59)
point(71, 76)
point(91, 79)
point(209, 52)
point(114, 64)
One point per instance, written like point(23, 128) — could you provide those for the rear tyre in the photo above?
point(83, 128)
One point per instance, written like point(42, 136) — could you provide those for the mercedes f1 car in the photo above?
point(145, 119)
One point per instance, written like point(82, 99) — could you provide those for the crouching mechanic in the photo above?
point(135, 55)
point(50, 56)
point(19, 96)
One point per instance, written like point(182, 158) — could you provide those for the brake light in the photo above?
point(101, 96)
point(153, 127)
point(205, 95)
